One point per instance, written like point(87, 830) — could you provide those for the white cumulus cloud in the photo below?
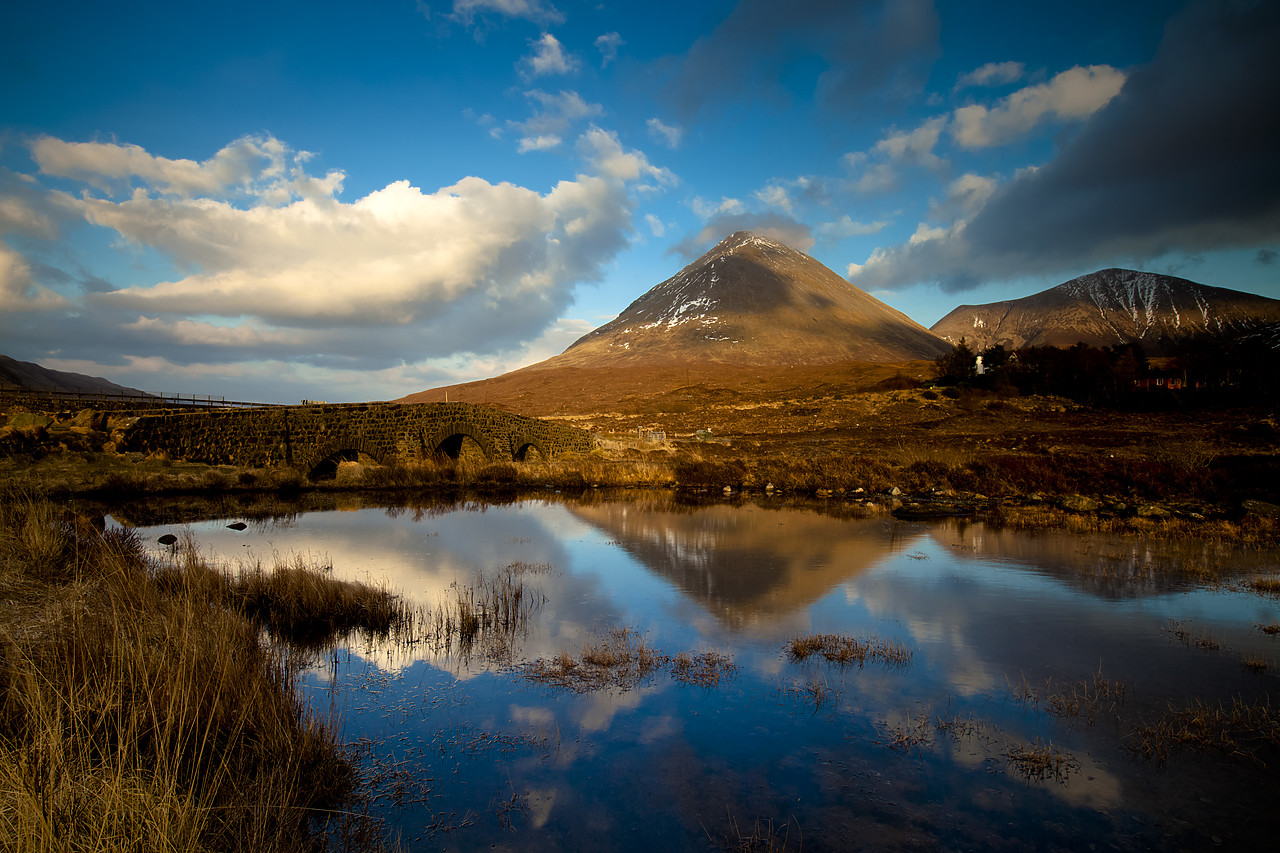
point(548, 57)
point(991, 74)
point(1075, 93)
point(668, 135)
point(467, 11)
point(17, 290)
point(401, 275)
point(608, 45)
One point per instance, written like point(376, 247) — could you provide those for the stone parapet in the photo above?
point(305, 436)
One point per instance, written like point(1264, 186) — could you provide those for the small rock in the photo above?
point(1078, 503)
point(895, 491)
point(30, 421)
point(237, 525)
point(728, 489)
point(168, 539)
point(1262, 508)
point(1152, 511)
point(768, 487)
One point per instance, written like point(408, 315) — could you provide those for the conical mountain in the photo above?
point(1110, 307)
point(753, 301)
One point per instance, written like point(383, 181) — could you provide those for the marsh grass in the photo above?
point(763, 837)
point(1267, 586)
point(1192, 640)
point(622, 658)
point(1085, 698)
point(1039, 762)
point(1250, 532)
point(487, 616)
point(705, 669)
point(846, 650)
point(910, 735)
point(137, 714)
point(1249, 730)
point(962, 726)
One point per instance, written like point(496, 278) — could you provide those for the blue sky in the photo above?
point(345, 201)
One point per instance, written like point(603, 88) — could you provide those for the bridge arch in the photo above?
point(448, 440)
point(522, 444)
point(322, 461)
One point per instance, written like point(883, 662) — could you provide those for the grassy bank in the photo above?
point(1222, 480)
point(143, 707)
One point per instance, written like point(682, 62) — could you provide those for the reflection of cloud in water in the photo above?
point(419, 558)
point(539, 802)
point(596, 713)
point(660, 728)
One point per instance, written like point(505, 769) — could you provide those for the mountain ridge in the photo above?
point(1109, 307)
point(27, 375)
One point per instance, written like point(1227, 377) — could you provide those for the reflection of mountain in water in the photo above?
point(1115, 567)
point(745, 564)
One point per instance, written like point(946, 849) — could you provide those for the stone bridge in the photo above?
point(312, 437)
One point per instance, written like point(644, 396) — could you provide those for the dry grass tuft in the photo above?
point(844, 650)
point(1085, 698)
point(910, 735)
point(1244, 730)
point(622, 658)
point(1038, 762)
point(1267, 586)
point(705, 669)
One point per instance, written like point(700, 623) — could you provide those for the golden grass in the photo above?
point(138, 714)
point(845, 650)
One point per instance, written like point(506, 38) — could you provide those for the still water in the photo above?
point(1033, 662)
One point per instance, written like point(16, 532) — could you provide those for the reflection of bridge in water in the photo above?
point(313, 437)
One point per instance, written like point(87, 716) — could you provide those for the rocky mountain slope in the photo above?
point(1110, 307)
point(753, 301)
point(16, 374)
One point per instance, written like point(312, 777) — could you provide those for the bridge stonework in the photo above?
point(305, 436)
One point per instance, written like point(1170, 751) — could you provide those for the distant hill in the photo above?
point(753, 301)
point(1110, 307)
point(28, 375)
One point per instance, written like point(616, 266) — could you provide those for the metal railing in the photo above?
point(128, 399)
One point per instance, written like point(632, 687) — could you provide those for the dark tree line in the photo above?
point(1208, 368)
